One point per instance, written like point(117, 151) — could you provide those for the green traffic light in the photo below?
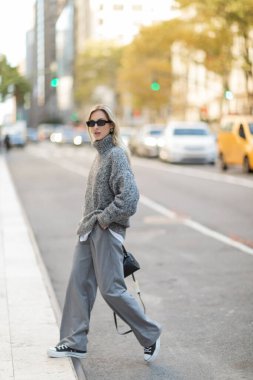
point(54, 82)
point(155, 86)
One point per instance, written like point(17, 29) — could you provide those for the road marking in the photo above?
point(164, 211)
point(196, 173)
point(195, 225)
point(63, 163)
point(218, 236)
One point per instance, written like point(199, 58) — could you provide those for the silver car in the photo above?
point(146, 139)
point(189, 142)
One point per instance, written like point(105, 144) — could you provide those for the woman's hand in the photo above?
point(103, 227)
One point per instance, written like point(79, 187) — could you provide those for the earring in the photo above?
point(111, 130)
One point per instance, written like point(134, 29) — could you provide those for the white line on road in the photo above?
point(165, 211)
point(196, 173)
point(218, 236)
point(195, 225)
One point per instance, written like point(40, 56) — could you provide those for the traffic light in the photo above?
point(54, 82)
point(155, 86)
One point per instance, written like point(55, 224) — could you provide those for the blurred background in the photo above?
point(179, 76)
point(151, 62)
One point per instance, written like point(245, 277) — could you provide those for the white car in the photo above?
point(145, 141)
point(189, 142)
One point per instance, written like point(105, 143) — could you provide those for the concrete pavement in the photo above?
point(28, 323)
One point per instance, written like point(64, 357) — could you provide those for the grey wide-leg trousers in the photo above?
point(98, 261)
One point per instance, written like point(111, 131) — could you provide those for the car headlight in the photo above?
point(78, 140)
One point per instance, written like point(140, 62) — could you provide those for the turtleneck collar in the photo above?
point(103, 145)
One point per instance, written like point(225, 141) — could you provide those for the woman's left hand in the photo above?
point(103, 227)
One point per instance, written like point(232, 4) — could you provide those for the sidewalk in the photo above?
point(27, 321)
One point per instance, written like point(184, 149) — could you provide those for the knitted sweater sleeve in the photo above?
point(123, 185)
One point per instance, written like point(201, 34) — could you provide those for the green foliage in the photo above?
point(229, 12)
point(216, 42)
point(12, 82)
point(148, 57)
point(209, 26)
point(233, 21)
point(96, 66)
point(146, 60)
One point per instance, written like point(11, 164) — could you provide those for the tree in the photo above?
point(11, 82)
point(149, 58)
point(96, 66)
point(145, 61)
point(236, 19)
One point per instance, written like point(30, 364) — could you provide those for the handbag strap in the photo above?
point(124, 250)
point(139, 294)
point(116, 325)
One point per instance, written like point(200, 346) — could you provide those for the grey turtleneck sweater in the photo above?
point(111, 194)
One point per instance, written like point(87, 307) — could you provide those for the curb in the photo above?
point(29, 309)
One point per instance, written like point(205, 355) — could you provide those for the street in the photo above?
point(193, 237)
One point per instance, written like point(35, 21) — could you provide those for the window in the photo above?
point(251, 128)
point(118, 7)
point(137, 7)
point(227, 127)
point(190, 132)
point(241, 132)
point(155, 132)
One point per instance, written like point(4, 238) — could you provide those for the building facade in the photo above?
point(116, 20)
point(65, 57)
point(41, 62)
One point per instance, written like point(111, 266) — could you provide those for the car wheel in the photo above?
point(246, 165)
point(163, 155)
point(223, 164)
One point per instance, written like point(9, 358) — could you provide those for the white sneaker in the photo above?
point(64, 351)
point(151, 352)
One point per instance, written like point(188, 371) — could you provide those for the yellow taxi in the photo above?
point(235, 142)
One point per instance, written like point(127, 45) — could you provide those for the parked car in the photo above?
point(32, 135)
point(80, 137)
point(188, 142)
point(126, 134)
point(66, 134)
point(45, 130)
point(62, 135)
point(16, 132)
point(145, 141)
point(235, 142)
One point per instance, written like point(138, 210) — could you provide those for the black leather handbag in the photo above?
point(130, 264)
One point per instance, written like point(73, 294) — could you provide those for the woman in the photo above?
point(111, 198)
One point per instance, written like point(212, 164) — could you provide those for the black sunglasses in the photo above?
point(99, 122)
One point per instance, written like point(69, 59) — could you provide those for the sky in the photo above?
point(16, 17)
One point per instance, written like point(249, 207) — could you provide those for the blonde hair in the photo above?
point(116, 138)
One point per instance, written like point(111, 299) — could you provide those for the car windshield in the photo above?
point(190, 132)
point(155, 132)
point(251, 128)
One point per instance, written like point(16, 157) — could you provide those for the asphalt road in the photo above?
point(193, 235)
